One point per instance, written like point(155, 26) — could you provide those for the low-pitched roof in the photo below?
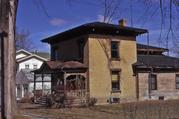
point(31, 56)
point(25, 76)
point(45, 55)
point(157, 61)
point(55, 66)
point(142, 47)
point(95, 28)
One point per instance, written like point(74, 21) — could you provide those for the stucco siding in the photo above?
point(100, 66)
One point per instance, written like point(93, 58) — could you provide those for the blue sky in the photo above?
point(64, 15)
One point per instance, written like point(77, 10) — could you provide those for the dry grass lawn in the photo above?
point(137, 110)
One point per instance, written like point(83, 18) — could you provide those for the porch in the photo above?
point(68, 81)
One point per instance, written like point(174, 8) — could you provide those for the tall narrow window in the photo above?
point(114, 49)
point(81, 44)
point(115, 81)
point(153, 82)
point(27, 66)
point(177, 81)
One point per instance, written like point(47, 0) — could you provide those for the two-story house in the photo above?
point(96, 57)
point(27, 62)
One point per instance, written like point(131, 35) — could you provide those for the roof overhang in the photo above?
point(95, 28)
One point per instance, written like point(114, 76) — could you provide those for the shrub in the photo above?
point(92, 101)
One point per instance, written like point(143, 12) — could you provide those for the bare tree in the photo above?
point(23, 41)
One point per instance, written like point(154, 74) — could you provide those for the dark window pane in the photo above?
point(177, 81)
point(177, 85)
point(153, 82)
point(114, 49)
point(115, 81)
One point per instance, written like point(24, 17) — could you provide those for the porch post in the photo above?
point(42, 84)
point(34, 87)
point(65, 82)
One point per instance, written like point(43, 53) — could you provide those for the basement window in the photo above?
point(114, 49)
point(115, 81)
point(177, 81)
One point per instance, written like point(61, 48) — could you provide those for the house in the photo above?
point(157, 75)
point(103, 61)
point(26, 62)
point(95, 60)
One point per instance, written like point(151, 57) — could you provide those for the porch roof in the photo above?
point(50, 67)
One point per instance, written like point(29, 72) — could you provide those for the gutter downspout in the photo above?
point(149, 76)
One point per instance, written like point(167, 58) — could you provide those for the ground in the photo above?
point(135, 110)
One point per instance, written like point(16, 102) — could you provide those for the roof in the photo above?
point(31, 56)
point(23, 51)
point(95, 28)
point(45, 55)
point(156, 61)
point(42, 55)
point(142, 47)
point(25, 76)
point(55, 66)
point(22, 78)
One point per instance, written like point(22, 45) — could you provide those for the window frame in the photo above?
point(81, 46)
point(118, 81)
point(176, 82)
point(35, 65)
point(117, 57)
point(153, 82)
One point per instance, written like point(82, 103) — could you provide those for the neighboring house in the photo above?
point(27, 62)
point(96, 58)
point(157, 75)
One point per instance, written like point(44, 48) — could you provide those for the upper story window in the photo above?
point(81, 44)
point(35, 66)
point(153, 82)
point(27, 66)
point(115, 81)
point(114, 49)
point(177, 81)
point(54, 53)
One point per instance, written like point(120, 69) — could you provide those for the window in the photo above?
point(35, 66)
point(27, 66)
point(153, 82)
point(115, 81)
point(54, 53)
point(81, 45)
point(177, 81)
point(114, 49)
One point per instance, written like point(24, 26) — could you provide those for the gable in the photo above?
point(22, 53)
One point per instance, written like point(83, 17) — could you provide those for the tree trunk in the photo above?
point(8, 10)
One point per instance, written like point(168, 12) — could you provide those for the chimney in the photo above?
point(122, 23)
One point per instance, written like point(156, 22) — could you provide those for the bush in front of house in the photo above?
point(91, 101)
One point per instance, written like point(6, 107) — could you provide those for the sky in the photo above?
point(49, 18)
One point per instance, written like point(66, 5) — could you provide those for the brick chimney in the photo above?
point(122, 23)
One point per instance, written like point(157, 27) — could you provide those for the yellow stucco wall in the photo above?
point(100, 66)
